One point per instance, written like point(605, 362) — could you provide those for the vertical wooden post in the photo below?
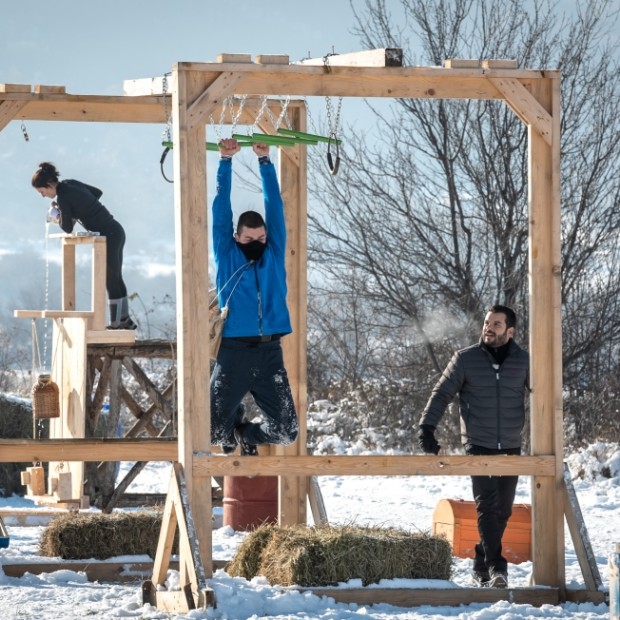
point(68, 276)
point(293, 183)
point(190, 209)
point(98, 293)
point(546, 339)
point(614, 584)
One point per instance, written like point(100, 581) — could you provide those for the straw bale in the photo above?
point(328, 555)
point(78, 536)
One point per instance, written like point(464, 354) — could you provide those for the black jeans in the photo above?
point(494, 497)
point(257, 368)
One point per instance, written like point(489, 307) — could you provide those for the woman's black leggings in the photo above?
point(115, 242)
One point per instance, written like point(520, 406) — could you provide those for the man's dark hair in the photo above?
point(250, 219)
point(511, 317)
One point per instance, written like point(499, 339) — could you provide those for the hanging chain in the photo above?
point(261, 113)
point(234, 117)
point(25, 132)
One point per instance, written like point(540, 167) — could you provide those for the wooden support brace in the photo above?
point(579, 534)
point(525, 106)
point(317, 505)
point(195, 594)
point(224, 85)
point(8, 111)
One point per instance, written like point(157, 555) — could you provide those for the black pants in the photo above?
point(257, 368)
point(115, 242)
point(494, 497)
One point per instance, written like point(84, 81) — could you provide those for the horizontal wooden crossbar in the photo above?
point(208, 465)
point(87, 450)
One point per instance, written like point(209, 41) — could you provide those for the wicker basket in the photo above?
point(45, 398)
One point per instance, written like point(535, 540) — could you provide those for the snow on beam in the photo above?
point(385, 57)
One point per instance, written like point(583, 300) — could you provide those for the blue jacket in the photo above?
point(257, 306)
point(491, 399)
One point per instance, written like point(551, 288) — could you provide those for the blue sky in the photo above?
point(91, 48)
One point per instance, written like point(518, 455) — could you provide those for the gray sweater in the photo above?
point(491, 397)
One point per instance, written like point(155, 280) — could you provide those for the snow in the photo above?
point(405, 502)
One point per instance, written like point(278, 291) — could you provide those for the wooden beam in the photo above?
point(385, 57)
point(88, 108)
point(80, 450)
point(452, 597)
point(206, 465)
point(525, 106)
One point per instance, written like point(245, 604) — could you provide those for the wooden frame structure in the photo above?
point(199, 89)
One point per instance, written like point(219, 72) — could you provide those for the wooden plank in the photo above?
point(500, 63)
point(111, 337)
point(272, 59)
point(461, 63)
point(525, 106)
point(234, 58)
point(68, 450)
point(216, 465)
point(409, 597)
point(15, 88)
point(587, 596)
point(384, 57)
point(579, 535)
point(47, 89)
point(53, 314)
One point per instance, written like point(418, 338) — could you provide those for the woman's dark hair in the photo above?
point(45, 175)
point(250, 219)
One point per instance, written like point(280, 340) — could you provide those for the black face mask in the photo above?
point(253, 250)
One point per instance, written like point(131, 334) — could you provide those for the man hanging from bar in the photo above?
point(251, 281)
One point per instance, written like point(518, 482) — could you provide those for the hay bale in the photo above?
point(327, 555)
point(76, 536)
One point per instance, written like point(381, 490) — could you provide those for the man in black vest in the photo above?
point(491, 379)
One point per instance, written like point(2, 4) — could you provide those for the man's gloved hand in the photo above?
point(427, 441)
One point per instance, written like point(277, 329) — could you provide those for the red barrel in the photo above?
point(250, 502)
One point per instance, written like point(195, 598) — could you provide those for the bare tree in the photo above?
point(432, 215)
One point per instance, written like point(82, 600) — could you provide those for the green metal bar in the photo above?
point(210, 146)
point(308, 136)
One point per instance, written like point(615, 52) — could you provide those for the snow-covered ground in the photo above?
point(405, 502)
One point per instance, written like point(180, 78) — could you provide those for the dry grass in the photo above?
point(77, 536)
point(326, 555)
